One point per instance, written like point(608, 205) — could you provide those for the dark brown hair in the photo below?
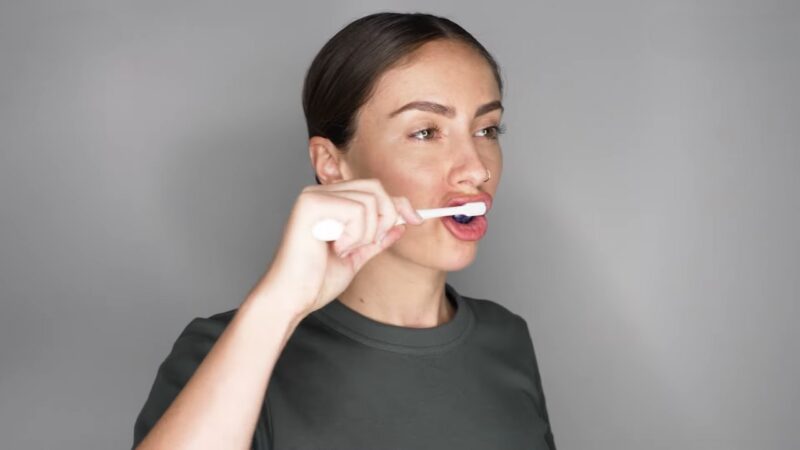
point(343, 74)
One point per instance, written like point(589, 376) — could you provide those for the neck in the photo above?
point(395, 291)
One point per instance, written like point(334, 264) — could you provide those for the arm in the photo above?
point(220, 404)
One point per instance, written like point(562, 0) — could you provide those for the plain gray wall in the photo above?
point(646, 224)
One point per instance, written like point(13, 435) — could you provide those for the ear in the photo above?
point(326, 160)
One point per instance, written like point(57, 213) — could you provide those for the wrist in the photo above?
point(275, 300)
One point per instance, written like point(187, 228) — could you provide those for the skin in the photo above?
point(404, 285)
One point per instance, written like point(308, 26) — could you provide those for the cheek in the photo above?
point(408, 179)
point(421, 186)
point(419, 180)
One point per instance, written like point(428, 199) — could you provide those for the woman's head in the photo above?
point(353, 90)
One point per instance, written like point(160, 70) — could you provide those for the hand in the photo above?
point(314, 272)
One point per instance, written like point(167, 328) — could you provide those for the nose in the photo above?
point(472, 169)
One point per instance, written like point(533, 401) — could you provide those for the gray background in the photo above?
point(646, 224)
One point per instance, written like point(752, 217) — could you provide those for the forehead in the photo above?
point(445, 71)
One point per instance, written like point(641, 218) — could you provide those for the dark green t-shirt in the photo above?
point(345, 381)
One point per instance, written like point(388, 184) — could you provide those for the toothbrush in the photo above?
point(331, 229)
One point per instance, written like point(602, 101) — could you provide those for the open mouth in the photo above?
point(465, 227)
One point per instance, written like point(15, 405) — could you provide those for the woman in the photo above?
point(360, 343)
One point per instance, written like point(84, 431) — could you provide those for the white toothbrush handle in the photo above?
point(331, 229)
point(327, 230)
point(433, 213)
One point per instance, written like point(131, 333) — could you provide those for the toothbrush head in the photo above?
point(473, 209)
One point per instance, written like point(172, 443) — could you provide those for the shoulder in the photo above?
point(208, 327)
point(197, 338)
point(188, 351)
point(503, 326)
point(509, 333)
point(494, 313)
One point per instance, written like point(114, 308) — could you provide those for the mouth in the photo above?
point(462, 199)
point(466, 228)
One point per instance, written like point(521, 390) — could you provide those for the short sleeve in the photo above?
point(187, 353)
point(537, 380)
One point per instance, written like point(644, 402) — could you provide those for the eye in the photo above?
point(493, 132)
point(425, 134)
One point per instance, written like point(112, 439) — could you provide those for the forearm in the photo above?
point(220, 404)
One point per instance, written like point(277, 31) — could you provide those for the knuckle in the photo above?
point(373, 201)
point(376, 185)
point(361, 208)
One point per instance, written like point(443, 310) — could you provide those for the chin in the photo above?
point(457, 258)
point(454, 265)
point(448, 261)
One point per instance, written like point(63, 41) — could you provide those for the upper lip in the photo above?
point(460, 199)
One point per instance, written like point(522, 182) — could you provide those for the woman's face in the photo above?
point(427, 156)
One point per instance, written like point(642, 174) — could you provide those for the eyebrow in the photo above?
point(447, 111)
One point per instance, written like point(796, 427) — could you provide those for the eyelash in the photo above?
point(498, 129)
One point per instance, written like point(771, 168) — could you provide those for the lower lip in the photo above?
point(471, 231)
